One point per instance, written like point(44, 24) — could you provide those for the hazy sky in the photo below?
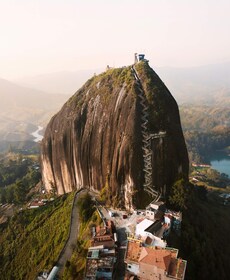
point(41, 36)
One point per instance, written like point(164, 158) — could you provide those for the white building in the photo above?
point(151, 232)
point(152, 209)
point(142, 226)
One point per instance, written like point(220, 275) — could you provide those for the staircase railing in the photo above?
point(147, 141)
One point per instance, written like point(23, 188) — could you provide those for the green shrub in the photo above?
point(178, 195)
point(86, 207)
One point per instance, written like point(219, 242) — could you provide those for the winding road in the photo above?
point(73, 234)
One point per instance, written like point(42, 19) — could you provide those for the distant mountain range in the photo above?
point(209, 85)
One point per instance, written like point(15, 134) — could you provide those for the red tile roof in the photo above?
point(162, 258)
point(157, 257)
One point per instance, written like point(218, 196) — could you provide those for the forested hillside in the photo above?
point(18, 174)
point(204, 241)
point(206, 129)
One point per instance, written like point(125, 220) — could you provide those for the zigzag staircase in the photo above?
point(146, 140)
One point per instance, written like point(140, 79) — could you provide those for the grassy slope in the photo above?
point(33, 239)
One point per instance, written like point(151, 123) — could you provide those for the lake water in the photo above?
point(221, 162)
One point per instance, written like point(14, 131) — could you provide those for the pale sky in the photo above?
point(44, 36)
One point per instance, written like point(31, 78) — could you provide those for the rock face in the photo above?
point(119, 134)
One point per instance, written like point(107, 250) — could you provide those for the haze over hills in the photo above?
point(63, 82)
point(23, 109)
point(209, 84)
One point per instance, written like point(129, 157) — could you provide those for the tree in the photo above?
point(19, 193)
point(178, 195)
point(9, 194)
point(3, 196)
point(86, 207)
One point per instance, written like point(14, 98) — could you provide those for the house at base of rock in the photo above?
point(147, 263)
point(101, 256)
point(35, 204)
point(104, 235)
point(152, 233)
point(100, 263)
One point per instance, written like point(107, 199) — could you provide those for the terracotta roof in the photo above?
point(155, 256)
point(160, 258)
point(110, 224)
point(133, 251)
point(105, 229)
point(100, 230)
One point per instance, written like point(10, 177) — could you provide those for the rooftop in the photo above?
point(104, 235)
point(162, 258)
point(177, 268)
point(158, 257)
point(144, 224)
point(106, 243)
point(93, 254)
point(99, 262)
point(133, 250)
point(157, 203)
point(93, 265)
point(176, 215)
point(108, 229)
point(36, 204)
point(156, 229)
